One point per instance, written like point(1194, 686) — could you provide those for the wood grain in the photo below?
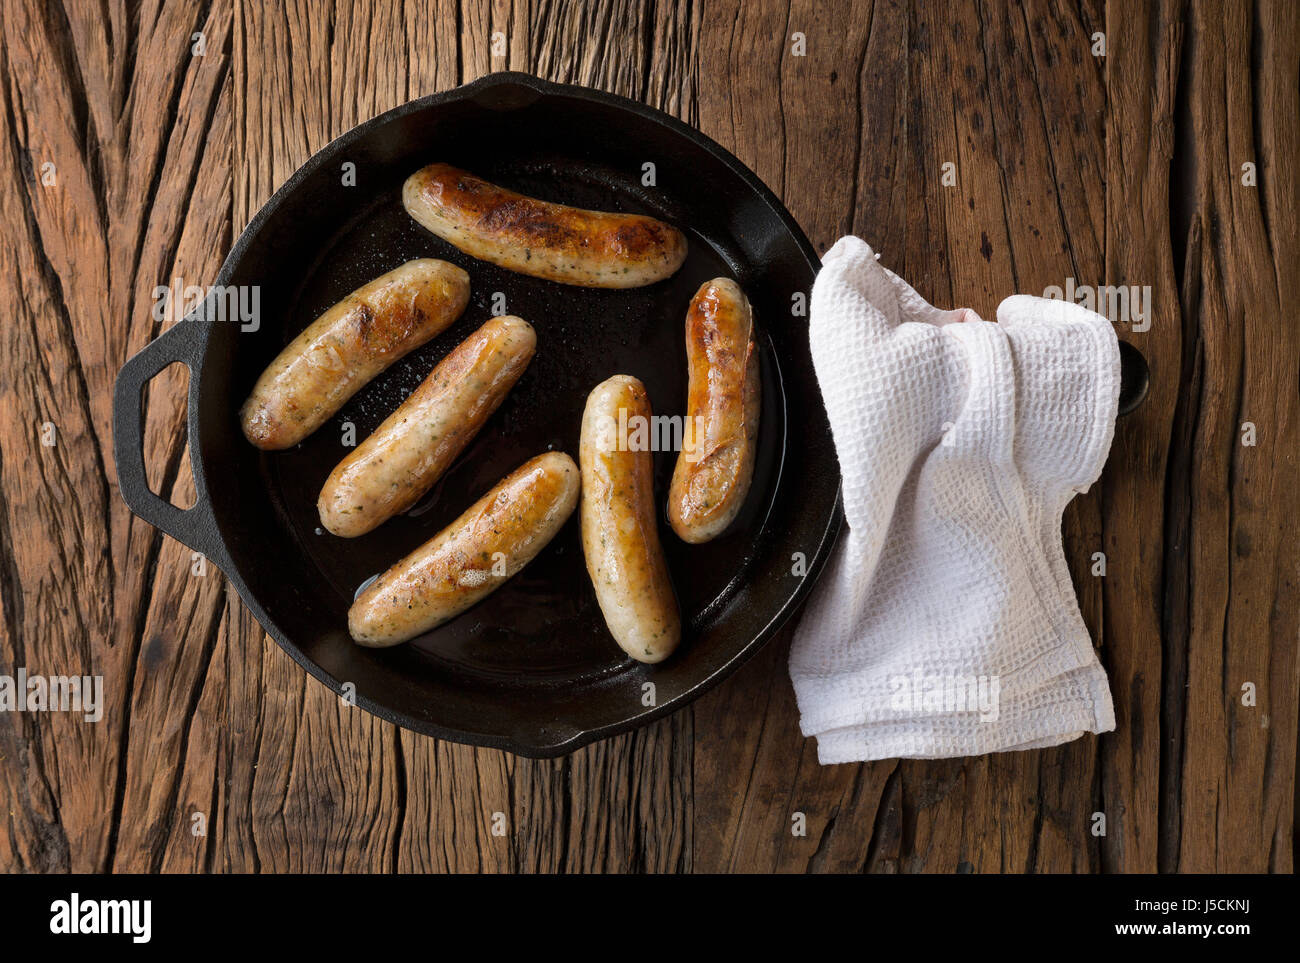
point(1117, 169)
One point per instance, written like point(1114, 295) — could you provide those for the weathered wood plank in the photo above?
point(183, 611)
point(1122, 169)
point(93, 256)
point(1235, 788)
point(1143, 65)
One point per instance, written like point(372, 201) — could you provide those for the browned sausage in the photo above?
point(716, 463)
point(469, 559)
point(392, 469)
point(620, 530)
point(347, 346)
point(552, 241)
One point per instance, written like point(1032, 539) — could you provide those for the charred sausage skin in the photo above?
point(553, 241)
point(392, 469)
point(469, 559)
point(716, 464)
point(347, 346)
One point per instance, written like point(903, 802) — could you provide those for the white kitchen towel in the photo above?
point(945, 623)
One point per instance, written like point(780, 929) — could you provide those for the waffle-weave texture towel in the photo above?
point(946, 623)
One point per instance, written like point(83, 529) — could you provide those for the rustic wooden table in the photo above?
point(984, 148)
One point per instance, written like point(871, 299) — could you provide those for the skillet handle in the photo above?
point(194, 527)
point(1134, 378)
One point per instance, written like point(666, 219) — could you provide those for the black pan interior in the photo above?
point(533, 667)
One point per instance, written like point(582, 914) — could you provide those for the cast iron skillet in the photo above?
point(532, 669)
